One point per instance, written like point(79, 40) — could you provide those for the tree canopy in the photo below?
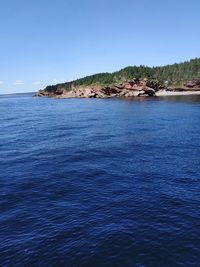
point(175, 74)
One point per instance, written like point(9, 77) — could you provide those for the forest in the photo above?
point(172, 75)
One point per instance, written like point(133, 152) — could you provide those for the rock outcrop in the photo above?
point(195, 84)
point(130, 88)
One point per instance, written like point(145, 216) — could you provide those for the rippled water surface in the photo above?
point(88, 182)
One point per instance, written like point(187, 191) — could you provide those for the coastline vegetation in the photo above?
point(173, 75)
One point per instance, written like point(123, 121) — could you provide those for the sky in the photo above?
point(45, 42)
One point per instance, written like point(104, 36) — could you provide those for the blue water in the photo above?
point(90, 182)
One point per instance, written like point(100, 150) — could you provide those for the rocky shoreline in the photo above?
point(131, 88)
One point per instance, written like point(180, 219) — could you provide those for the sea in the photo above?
point(99, 182)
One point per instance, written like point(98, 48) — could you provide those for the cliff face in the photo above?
point(130, 88)
point(122, 84)
point(194, 83)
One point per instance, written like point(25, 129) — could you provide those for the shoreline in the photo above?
point(174, 93)
point(126, 89)
point(135, 94)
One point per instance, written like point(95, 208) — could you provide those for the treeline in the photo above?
point(178, 73)
point(174, 74)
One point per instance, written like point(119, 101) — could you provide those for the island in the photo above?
point(133, 81)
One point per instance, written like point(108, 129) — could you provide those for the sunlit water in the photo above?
point(88, 182)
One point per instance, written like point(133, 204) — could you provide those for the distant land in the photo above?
point(175, 79)
point(18, 94)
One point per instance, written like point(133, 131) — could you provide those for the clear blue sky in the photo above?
point(46, 41)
